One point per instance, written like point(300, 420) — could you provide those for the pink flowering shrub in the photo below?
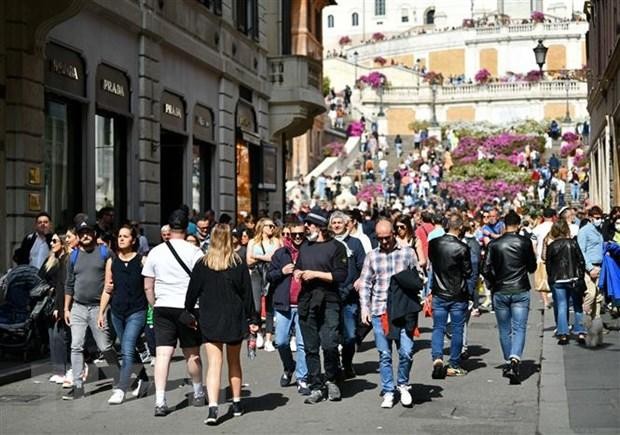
point(333, 149)
point(374, 79)
point(355, 129)
point(538, 17)
point(369, 191)
point(482, 76)
point(433, 78)
point(533, 76)
point(378, 36)
point(380, 60)
point(478, 191)
point(344, 40)
point(569, 136)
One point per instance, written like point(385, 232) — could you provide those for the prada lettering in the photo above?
point(113, 88)
point(59, 67)
point(201, 121)
point(172, 110)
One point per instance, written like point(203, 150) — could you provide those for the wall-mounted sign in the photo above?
point(268, 167)
point(113, 90)
point(246, 118)
point(64, 70)
point(203, 123)
point(172, 112)
point(34, 201)
point(34, 176)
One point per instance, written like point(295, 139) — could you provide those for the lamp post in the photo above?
point(434, 122)
point(540, 53)
point(567, 87)
point(417, 63)
point(355, 55)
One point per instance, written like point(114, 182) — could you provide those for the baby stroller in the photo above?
point(23, 317)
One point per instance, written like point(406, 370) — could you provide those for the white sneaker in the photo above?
point(56, 379)
point(388, 400)
point(405, 395)
point(269, 347)
point(84, 375)
point(293, 344)
point(68, 381)
point(117, 397)
point(260, 341)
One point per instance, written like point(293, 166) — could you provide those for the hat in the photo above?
point(563, 209)
point(317, 218)
point(178, 220)
point(84, 226)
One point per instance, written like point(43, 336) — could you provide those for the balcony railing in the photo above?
point(473, 93)
point(293, 71)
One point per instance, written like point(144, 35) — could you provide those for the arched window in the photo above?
point(404, 15)
point(379, 7)
point(330, 21)
point(429, 17)
point(355, 19)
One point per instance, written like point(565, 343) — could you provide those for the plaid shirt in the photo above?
point(379, 267)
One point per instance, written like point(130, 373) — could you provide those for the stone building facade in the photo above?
point(604, 102)
point(144, 105)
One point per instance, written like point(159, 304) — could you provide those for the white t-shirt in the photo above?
point(541, 232)
point(171, 280)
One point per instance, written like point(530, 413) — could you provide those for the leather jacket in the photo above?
point(451, 261)
point(509, 260)
point(564, 261)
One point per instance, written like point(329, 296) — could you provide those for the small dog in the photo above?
point(595, 331)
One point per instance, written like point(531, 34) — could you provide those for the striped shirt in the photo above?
point(379, 267)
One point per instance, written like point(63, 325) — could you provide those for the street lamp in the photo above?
point(355, 55)
point(434, 122)
point(540, 53)
point(417, 63)
point(566, 86)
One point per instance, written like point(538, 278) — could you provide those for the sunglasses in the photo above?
point(270, 225)
point(298, 235)
point(401, 227)
point(384, 239)
point(55, 240)
point(286, 233)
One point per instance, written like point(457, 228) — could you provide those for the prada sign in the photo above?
point(64, 70)
point(113, 90)
point(203, 123)
point(173, 112)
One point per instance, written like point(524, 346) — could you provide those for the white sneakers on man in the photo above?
point(388, 400)
point(405, 395)
point(117, 397)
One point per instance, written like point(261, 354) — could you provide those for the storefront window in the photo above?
point(104, 161)
point(244, 193)
point(55, 170)
point(196, 181)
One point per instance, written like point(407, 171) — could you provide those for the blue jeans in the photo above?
point(457, 311)
point(349, 327)
point(405, 356)
point(128, 329)
point(561, 293)
point(511, 312)
point(284, 321)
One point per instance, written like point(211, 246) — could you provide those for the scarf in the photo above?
point(341, 238)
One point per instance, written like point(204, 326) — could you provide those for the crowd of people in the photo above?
point(318, 279)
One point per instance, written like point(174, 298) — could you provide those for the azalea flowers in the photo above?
point(374, 79)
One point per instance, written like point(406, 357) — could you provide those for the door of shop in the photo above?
point(171, 167)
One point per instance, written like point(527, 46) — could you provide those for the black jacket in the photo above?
point(564, 261)
point(28, 241)
point(451, 261)
point(355, 263)
point(280, 283)
point(509, 260)
point(403, 303)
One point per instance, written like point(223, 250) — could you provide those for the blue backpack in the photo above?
point(103, 251)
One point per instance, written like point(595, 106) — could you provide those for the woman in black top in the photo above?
point(222, 283)
point(53, 272)
point(124, 292)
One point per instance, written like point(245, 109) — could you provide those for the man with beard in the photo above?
point(321, 267)
point(286, 291)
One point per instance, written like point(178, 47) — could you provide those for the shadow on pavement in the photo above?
point(476, 350)
point(366, 367)
point(352, 387)
point(528, 368)
point(425, 393)
point(472, 364)
point(266, 402)
point(421, 344)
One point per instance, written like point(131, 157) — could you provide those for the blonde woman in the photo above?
point(53, 272)
point(260, 250)
point(221, 281)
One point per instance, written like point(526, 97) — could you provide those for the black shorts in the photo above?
point(169, 329)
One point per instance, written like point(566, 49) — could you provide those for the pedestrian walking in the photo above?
point(387, 260)
point(166, 274)
point(124, 293)
point(508, 261)
point(221, 283)
point(566, 270)
point(321, 267)
point(37, 243)
point(286, 291)
point(451, 262)
point(85, 282)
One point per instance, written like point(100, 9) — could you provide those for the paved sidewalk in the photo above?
point(580, 387)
